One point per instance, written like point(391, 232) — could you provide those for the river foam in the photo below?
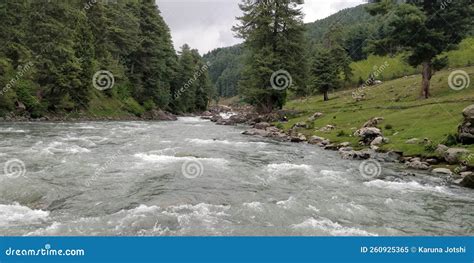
point(16, 214)
point(331, 228)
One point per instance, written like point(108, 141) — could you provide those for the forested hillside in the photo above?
point(96, 58)
point(353, 29)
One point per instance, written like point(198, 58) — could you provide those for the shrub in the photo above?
point(341, 133)
point(450, 140)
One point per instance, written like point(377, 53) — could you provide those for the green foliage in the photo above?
point(424, 29)
point(271, 49)
point(69, 41)
point(134, 107)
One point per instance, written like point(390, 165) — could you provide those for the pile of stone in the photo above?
point(466, 129)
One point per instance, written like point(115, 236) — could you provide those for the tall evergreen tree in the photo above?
point(325, 72)
point(274, 40)
point(425, 29)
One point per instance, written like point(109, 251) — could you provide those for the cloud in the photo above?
point(207, 24)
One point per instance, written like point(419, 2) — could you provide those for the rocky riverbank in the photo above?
point(370, 141)
point(153, 115)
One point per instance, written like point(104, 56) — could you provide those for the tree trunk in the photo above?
point(427, 74)
point(326, 97)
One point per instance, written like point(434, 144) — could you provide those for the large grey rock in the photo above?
point(444, 171)
point(373, 122)
point(262, 125)
point(315, 116)
point(441, 150)
point(256, 132)
point(468, 113)
point(315, 140)
point(418, 165)
point(453, 155)
point(354, 155)
point(379, 141)
point(466, 129)
point(367, 135)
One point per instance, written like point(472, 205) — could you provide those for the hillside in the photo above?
point(405, 116)
point(357, 27)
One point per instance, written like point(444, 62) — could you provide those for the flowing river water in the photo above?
point(191, 177)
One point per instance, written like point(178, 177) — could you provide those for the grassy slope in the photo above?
point(397, 101)
point(462, 57)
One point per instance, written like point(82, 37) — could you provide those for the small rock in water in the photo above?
point(418, 165)
point(444, 171)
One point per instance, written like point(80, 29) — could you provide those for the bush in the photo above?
point(149, 105)
point(388, 127)
point(133, 107)
point(450, 140)
point(341, 134)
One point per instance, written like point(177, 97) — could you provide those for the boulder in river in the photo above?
point(468, 181)
point(418, 165)
point(355, 155)
point(444, 171)
point(262, 125)
point(160, 115)
point(316, 140)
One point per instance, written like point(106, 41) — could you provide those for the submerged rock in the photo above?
point(468, 181)
point(444, 171)
point(418, 165)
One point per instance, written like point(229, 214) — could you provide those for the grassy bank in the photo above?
point(406, 116)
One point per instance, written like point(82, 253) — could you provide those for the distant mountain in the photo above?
point(346, 18)
point(227, 62)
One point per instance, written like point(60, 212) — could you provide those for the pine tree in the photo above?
point(425, 29)
point(325, 72)
point(274, 41)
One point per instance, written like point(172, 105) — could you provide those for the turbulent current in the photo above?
point(191, 177)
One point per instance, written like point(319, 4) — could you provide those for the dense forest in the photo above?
point(61, 56)
point(339, 45)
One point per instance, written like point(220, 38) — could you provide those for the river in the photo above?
point(191, 177)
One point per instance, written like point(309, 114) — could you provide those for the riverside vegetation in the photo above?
point(52, 51)
point(49, 60)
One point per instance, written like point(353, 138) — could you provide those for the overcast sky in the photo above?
point(206, 24)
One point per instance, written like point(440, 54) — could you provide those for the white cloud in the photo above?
point(206, 24)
